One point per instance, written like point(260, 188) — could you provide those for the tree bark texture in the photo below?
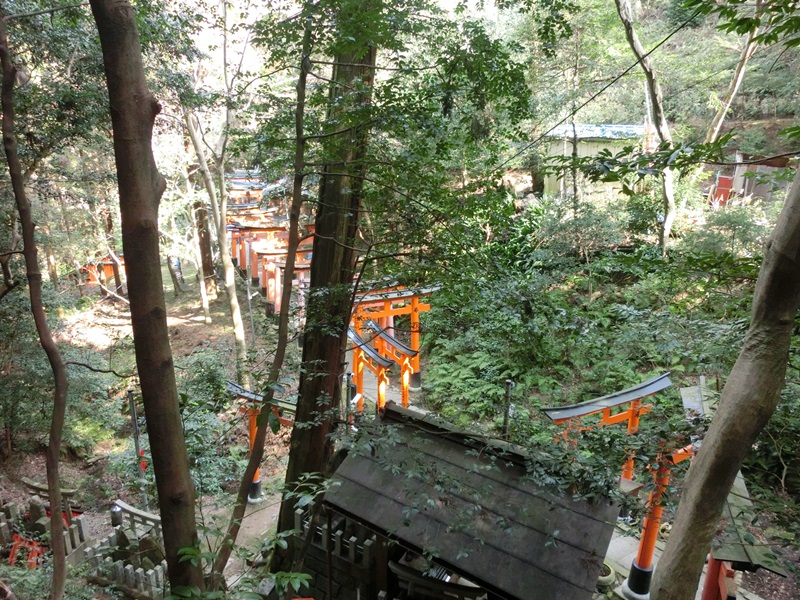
point(204, 244)
point(656, 98)
point(61, 382)
point(332, 269)
point(748, 401)
point(198, 250)
point(9, 282)
point(133, 111)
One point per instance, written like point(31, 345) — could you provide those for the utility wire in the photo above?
point(600, 92)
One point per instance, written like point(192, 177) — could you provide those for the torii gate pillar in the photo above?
point(415, 381)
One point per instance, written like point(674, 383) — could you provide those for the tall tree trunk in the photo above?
point(218, 208)
point(199, 261)
point(40, 318)
point(111, 244)
point(133, 111)
point(659, 119)
point(173, 275)
point(9, 282)
point(748, 401)
point(221, 208)
point(332, 268)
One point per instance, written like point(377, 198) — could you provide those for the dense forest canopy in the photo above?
point(594, 192)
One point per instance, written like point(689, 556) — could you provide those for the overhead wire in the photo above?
point(599, 92)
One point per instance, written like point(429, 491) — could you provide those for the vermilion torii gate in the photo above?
point(376, 310)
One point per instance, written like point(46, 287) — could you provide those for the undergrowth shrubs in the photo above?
point(568, 323)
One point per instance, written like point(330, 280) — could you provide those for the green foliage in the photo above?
point(34, 584)
point(27, 383)
point(215, 458)
point(212, 432)
point(24, 402)
point(643, 206)
point(739, 230)
point(772, 466)
point(552, 18)
point(202, 379)
point(504, 330)
point(678, 13)
point(777, 21)
point(632, 164)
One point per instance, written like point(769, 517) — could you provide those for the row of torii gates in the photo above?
point(258, 244)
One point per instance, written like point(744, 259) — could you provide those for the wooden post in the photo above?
point(637, 585)
point(416, 376)
point(235, 246)
point(254, 263)
point(358, 372)
point(383, 382)
point(405, 379)
point(634, 412)
point(255, 494)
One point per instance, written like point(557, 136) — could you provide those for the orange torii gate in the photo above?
point(364, 355)
point(242, 237)
point(397, 351)
point(284, 412)
point(269, 271)
point(382, 306)
point(637, 585)
point(632, 397)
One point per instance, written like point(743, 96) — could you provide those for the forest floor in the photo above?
point(99, 484)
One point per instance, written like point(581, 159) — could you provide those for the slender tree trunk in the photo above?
point(111, 245)
point(204, 248)
point(659, 119)
point(173, 275)
point(9, 282)
point(199, 248)
point(748, 401)
point(218, 208)
point(40, 318)
point(133, 111)
point(332, 271)
point(668, 190)
point(221, 208)
point(257, 452)
point(750, 46)
point(200, 265)
point(229, 272)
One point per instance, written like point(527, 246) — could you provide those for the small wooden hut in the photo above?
point(462, 502)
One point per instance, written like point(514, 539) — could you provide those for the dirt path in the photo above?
point(258, 524)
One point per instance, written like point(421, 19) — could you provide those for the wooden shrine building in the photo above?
point(422, 487)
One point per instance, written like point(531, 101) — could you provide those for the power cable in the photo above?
point(600, 92)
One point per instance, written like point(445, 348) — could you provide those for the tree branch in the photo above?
point(96, 370)
point(46, 11)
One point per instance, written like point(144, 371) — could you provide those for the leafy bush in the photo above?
point(505, 329)
point(773, 465)
point(33, 584)
point(736, 229)
point(202, 378)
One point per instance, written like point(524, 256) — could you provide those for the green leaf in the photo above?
point(274, 422)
